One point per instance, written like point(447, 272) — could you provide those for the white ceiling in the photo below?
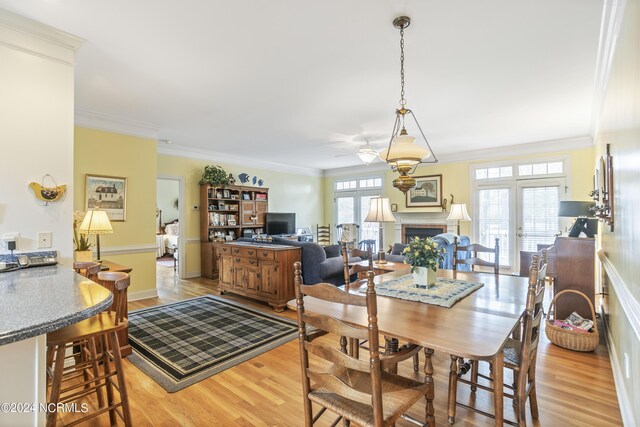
point(297, 82)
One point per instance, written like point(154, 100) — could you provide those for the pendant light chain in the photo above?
point(403, 101)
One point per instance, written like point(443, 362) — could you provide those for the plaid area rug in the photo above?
point(182, 343)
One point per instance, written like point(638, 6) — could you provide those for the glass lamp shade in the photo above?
point(95, 222)
point(459, 212)
point(380, 211)
point(367, 155)
point(403, 151)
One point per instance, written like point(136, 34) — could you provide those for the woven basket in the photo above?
point(578, 341)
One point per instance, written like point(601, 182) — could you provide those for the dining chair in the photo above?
point(347, 255)
point(362, 391)
point(97, 341)
point(520, 355)
point(473, 259)
point(323, 233)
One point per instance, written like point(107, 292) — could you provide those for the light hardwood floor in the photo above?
point(574, 389)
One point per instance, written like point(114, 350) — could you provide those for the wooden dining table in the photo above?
point(475, 327)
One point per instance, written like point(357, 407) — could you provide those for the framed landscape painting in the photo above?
point(427, 192)
point(108, 193)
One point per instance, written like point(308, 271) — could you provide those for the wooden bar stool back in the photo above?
point(89, 269)
point(99, 366)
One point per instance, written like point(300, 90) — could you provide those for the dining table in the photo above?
point(475, 327)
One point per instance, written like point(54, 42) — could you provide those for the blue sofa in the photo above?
point(444, 240)
point(319, 263)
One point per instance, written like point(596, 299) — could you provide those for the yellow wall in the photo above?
point(287, 193)
point(104, 153)
point(455, 180)
point(620, 127)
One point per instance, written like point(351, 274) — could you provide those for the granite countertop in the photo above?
point(34, 301)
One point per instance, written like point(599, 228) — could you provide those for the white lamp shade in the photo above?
point(380, 210)
point(95, 222)
point(403, 151)
point(459, 212)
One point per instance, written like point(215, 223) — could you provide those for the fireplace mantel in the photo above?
point(421, 218)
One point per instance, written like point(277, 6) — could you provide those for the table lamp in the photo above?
point(96, 222)
point(458, 213)
point(380, 212)
point(582, 212)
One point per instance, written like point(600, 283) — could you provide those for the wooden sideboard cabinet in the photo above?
point(262, 272)
point(573, 267)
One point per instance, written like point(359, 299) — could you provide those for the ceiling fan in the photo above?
point(367, 153)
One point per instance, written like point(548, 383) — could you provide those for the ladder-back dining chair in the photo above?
point(362, 391)
point(474, 260)
point(519, 355)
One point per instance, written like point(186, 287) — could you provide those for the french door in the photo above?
point(537, 212)
point(352, 208)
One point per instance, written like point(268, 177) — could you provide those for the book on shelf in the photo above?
point(261, 196)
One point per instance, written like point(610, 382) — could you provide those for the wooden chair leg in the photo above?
point(474, 374)
point(124, 396)
point(96, 371)
point(343, 345)
point(106, 365)
point(56, 383)
point(416, 362)
point(453, 390)
point(533, 398)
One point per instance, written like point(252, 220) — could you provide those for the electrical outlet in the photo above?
point(627, 366)
point(44, 239)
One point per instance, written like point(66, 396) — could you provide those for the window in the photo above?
point(370, 183)
point(494, 172)
point(346, 185)
point(352, 199)
point(546, 168)
point(494, 207)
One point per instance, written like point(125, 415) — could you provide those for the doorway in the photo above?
point(170, 256)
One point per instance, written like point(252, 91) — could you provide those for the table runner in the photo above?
point(445, 292)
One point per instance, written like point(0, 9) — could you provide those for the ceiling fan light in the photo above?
point(367, 155)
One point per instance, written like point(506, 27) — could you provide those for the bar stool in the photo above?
point(89, 269)
point(99, 349)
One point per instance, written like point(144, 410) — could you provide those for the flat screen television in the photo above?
point(280, 223)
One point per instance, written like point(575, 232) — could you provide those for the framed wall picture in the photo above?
point(108, 193)
point(427, 192)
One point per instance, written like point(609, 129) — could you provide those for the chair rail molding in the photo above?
point(628, 302)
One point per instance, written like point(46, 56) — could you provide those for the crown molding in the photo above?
point(612, 16)
point(177, 150)
point(114, 124)
point(483, 154)
point(35, 38)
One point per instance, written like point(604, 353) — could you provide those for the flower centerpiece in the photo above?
point(424, 257)
point(81, 244)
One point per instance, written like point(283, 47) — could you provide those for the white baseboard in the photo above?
point(623, 398)
point(192, 274)
point(148, 293)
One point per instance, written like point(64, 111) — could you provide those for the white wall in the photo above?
point(167, 194)
point(36, 130)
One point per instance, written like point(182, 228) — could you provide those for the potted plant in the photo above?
point(214, 176)
point(81, 244)
point(424, 257)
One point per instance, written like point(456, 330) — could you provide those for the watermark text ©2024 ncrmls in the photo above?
point(15, 407)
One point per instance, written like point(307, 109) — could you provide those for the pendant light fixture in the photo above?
point(403, 154)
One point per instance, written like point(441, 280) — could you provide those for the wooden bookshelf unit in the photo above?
point(226, 212)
